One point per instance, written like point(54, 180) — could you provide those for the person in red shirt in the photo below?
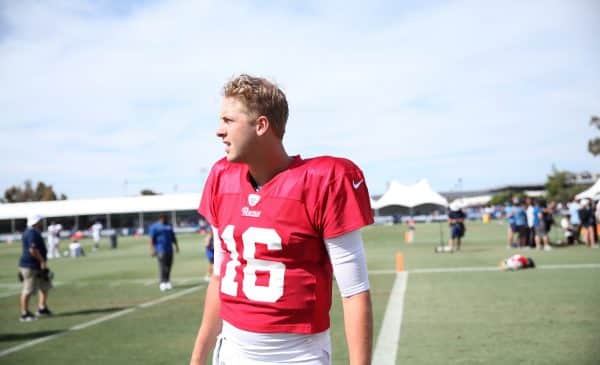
point(283, 227)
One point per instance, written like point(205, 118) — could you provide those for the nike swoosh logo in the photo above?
point(355, 185)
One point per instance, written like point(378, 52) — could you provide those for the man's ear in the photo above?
point(262, 125)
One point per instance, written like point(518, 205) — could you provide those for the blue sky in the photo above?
point(106, 98)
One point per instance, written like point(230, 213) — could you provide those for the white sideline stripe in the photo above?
point(111, 284)
point(185, 280)
point(484, 268)
point(386, 348)
point(389, 335)
point(99, 320)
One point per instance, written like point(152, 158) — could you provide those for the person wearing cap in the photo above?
point(456, 220)
point(33, 269)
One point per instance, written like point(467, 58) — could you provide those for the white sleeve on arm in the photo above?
point(218, 251)
point(347, 256)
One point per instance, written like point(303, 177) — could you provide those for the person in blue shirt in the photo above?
point(520, 216)
point(162, 240)
point(209, 249)
point(33, 270)
point(512, 227)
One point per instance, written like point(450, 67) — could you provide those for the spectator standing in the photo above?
point(549, 211)
point(96, 230)
point(586, 215)
point(162, 240)
point(209, 250)
point(33, 270)
point(54, 240)
point(539, 225)
point(512, 226)
point(529, 210)
point(521, 223)
point(597, 215)
point(574, 208)
point(456, 220)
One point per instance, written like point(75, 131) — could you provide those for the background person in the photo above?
point(597, 216)
point(588, 224)
point(574, 208)
point(209, 249)
point(456, 221)
point(54, 240)
point(568, 230)
point(521, 223)
point(530, 212)
point(281, 222)
point(75, 248)
point(33, 270)
point(96, 229)
point(162, 240)
point(512, 227)
point(539, 225)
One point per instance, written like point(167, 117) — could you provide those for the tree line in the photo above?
point(27, 193)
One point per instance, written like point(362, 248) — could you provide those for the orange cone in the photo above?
point(399, 262)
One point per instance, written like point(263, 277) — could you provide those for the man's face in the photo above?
point(236, 129)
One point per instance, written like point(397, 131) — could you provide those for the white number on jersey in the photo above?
point(274, 290)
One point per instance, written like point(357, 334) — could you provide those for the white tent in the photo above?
point(592, 193)
point(410, 195)
point(136, 204)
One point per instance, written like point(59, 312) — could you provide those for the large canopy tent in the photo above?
point(410, 197)
point(112, 212)
point(592, 193)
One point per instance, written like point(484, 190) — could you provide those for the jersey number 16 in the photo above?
point(274, 290)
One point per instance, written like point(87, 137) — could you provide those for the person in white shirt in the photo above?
point(96, 229)
point(75, 248)
point(530, 218)
point(53, 240)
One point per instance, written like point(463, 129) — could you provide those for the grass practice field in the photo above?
point(456, 309)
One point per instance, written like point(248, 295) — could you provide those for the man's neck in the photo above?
point(265, 168)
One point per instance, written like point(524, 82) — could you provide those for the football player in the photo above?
point(283, 226)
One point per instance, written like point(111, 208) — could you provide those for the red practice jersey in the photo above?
point(276, 276)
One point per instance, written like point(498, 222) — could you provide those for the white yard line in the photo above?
point(389, 334)
point(99, 320)
point(388, 339)
point(483, 268)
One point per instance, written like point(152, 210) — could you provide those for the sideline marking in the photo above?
point(388, 339)
point(484, 268)
point(389, 334)
point(100, 320)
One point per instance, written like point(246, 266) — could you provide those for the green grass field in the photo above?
point(549, 315)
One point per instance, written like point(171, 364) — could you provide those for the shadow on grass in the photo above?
point(89, 311)
point(27, 336)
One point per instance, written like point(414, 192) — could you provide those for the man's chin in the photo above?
point(232, 158)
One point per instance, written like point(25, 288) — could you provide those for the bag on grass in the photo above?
point(517, 262)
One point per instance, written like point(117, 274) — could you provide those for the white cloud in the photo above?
point(440, 90)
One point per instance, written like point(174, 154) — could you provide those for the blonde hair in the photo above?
point(261, 97)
